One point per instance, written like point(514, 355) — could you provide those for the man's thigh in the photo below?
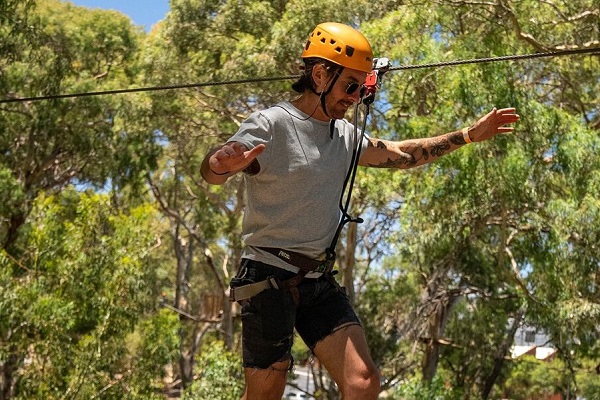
point(324, 307)
point(266, 384)
point(345, 355)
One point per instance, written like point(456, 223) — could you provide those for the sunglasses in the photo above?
point(353, 87)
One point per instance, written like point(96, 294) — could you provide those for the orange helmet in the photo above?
point(340, 44)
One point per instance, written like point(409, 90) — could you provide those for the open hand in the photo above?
point(493, 123)
point(233, 157)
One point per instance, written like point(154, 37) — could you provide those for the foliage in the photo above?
point(155, 346)
point(531, 378)
point(416, 389)
point(449, 257)
point(219, 374)
point(83, 290)
point(49, 144)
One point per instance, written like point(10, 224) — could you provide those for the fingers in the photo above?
point(505, 129)
point(234, 157)
point(230, 151)
point(507, 115)
point(497, 118)
point(494, 123)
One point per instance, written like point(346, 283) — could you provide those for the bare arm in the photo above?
point(409, 153)
point(415, 152)
point(227, 160)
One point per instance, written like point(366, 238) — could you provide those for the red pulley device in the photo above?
point(380, 67)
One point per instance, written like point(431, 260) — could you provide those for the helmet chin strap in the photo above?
point(324, 93)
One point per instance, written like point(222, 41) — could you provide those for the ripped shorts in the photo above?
point(269, 318)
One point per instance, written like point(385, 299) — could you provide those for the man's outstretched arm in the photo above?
point(415, 152)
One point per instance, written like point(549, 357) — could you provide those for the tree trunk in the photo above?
point(230, 309)
point(437, 326)
point(501, 355)
point(184, 256)
point(7, 370)
point(227, 319)
point(12, 233)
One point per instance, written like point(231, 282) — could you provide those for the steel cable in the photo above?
point(288, 77)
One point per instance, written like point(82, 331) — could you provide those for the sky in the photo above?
point(142, 12)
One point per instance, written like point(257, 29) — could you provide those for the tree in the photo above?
point(449, 260)
point(220, 376)
point(49, 47)
point(83, 288)
point(493, 198)
point(54, 47)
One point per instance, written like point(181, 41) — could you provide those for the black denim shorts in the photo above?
point(269, 318)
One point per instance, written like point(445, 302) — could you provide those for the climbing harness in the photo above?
point(305, 264)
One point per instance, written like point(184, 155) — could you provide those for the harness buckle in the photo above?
point(274, 283)
point(325, 266)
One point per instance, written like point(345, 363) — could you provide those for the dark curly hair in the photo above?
point(305, 82)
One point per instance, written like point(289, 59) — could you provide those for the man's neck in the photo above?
point(309, 103)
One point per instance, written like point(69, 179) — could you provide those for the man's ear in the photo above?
point(320, 76)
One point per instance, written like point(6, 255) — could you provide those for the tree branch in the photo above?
point(517, 28)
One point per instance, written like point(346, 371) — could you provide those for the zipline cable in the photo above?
point(501, 58)
point(147, 89)
point(288, 77)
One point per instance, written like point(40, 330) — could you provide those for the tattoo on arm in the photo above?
point(413, 152)
point(438, 146)
point(457, 138)
point(400, 158)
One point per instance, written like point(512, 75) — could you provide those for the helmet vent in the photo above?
point(340, 44)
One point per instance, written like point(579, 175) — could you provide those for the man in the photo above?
point(295, 157)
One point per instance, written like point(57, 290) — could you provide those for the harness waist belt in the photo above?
point(306, 264)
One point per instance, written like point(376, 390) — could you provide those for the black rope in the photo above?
point(281, 78)
point(349, 182)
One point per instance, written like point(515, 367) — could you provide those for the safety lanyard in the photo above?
point(380, 67)
point(348, 181)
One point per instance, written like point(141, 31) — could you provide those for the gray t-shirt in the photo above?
point(293, 201)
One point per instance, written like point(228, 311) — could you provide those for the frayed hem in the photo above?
point(290, 367)
point(334, 330)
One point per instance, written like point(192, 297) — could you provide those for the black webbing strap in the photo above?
point(304, 263)
point(349, 183)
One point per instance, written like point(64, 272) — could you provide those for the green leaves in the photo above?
point(219, 374)
point(453, 251)
point(85, 288)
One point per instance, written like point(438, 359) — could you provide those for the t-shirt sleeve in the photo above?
point(255, 130)
point(365, 142)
